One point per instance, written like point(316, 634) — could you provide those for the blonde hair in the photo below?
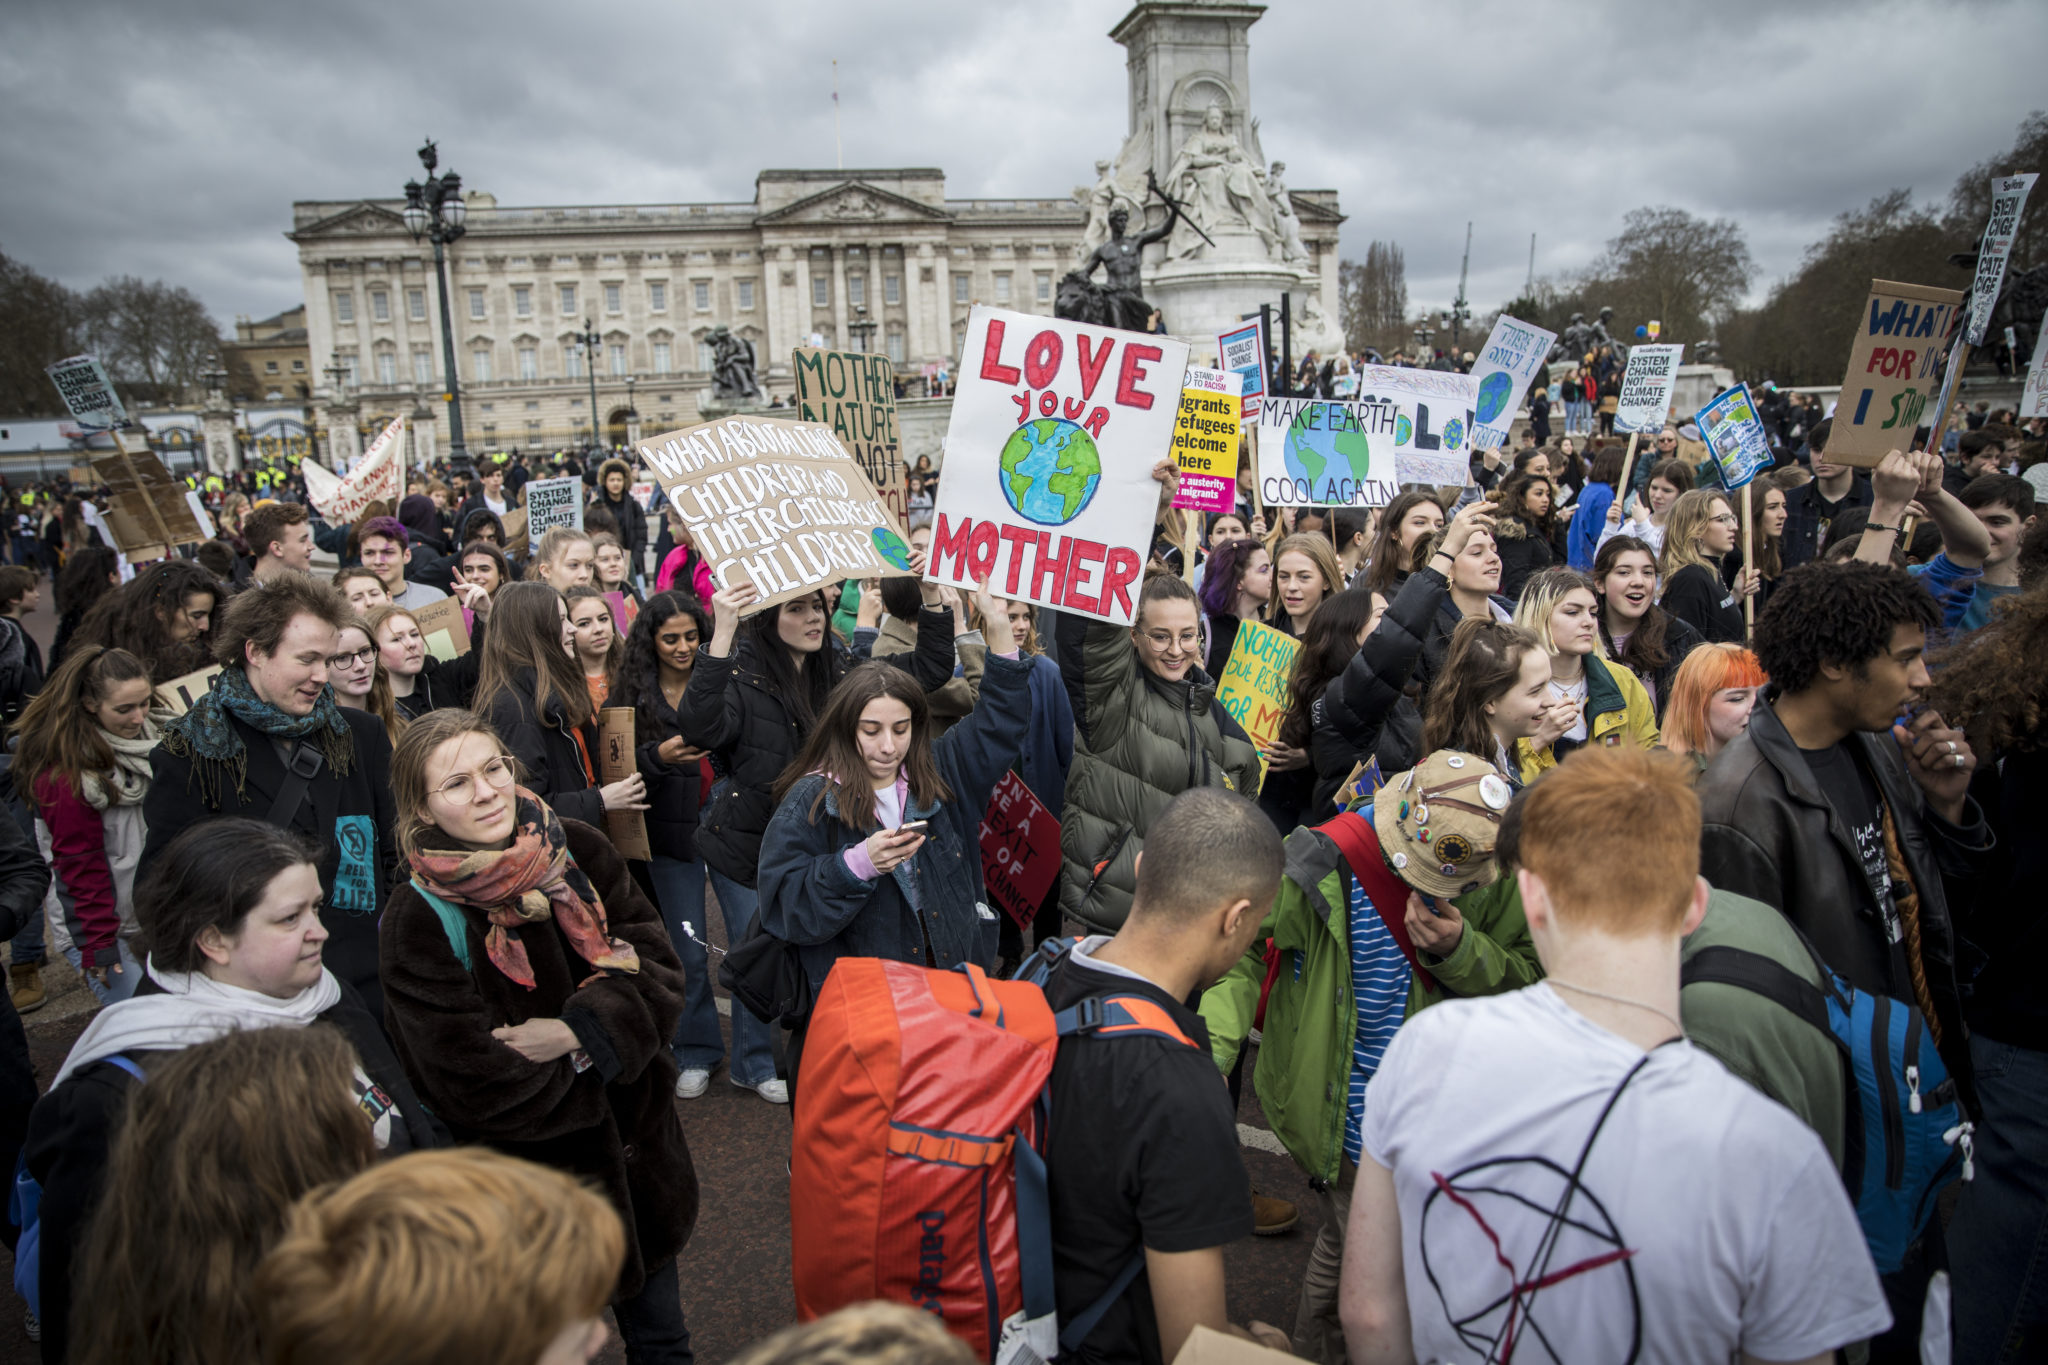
point(1540, 596)
point(466, 1254)
point(409, 768)
point(1683, 526)
point(380, 703)
point(552, 542)
point(873, 1333)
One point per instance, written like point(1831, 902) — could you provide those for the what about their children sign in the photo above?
point(1895, 367)
point(1048, 491)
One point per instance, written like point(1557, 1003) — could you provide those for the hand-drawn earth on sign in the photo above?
point(1493, 396)
point(1326, 458)
point(1050, 470)
point(890, 547)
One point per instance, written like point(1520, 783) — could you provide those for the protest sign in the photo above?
point(1020, 849)
point(624, 611)
point(145, 510)
point(1513, 355)
point(1902, 336)
point(1730, 427)
point(375, 478)
point(444, 626)
point(553, 502)
point(1646, 386)
point(2034, 398)
point(2008, 201)
point(1243, 351)
point(516, 540)
point(87, 391)
point(854, 393)
point(1048, 490)
point(1253, 688)
point(81, 476)
point(643, 493)
point(177, 695)
point(1205, 440)
point(616, 762)
point(1406, 427)
point(782, 505)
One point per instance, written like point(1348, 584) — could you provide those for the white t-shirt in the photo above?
point(1741, 1236)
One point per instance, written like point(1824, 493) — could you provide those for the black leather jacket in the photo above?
point(1769, 833)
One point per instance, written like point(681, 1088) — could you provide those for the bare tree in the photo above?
point(152, 336)
point(1969, 203)
point(1374, 298)
point(1686, 272)
point(39, 323)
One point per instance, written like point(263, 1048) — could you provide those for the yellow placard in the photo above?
point(1253, 688)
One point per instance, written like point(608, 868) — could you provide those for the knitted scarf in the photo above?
point(206, 736)
point(533, 878)
point(128, 781)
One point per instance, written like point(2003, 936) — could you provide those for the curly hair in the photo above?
point(1514, 490)
point(1994, 682)
point(137, 617)
point(1836, 613)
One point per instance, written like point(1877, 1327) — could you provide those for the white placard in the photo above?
point(2034, 398)
point(1646, 387)
point(87, 391)
point(2008, 201)
point(373, 478)
point(1513, 355)
point(553, 502)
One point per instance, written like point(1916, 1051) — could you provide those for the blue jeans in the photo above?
point(120, 985)
point(1998, 1239)
point(698, 1045)
point(28, 945)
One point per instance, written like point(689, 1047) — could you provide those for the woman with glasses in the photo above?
point(356, 668)
point(1699, 531)
point(531, 993)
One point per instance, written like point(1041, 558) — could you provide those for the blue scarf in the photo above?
point(207, 736)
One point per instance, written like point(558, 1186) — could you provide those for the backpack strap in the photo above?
point(128, 1065)
point(1767, 977)
point(452, 924)
point(1119, 1016)
point(1076, 1331)
point(299, 771)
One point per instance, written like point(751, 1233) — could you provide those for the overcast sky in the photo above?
point(168, 138)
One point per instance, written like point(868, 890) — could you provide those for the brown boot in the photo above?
point(1270, 1216)
point(25, 984)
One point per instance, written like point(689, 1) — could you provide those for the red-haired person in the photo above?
point(1711, 697)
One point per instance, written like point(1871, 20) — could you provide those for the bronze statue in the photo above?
point(1118, 300)
point(732, 365)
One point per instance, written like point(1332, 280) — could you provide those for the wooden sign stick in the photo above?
point(1627, 463)
point(1748, 563)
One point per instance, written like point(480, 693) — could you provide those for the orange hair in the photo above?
point(1644, 797)
point(1706, 670)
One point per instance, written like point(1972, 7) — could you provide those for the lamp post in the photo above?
point(436, 210)
point(862, 328)
point(632, 411)
point(590, 341)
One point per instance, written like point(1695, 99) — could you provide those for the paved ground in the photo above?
point(735, 1271)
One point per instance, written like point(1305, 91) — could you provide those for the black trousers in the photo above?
point(651, 1322)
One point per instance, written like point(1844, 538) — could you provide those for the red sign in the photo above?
point(1020, 849)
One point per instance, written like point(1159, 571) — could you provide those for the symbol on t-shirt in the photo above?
point(1507, 1229)
point(355, 871)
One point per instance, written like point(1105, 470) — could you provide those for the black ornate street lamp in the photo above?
point(862, 327)
point(591, 342)
point(436, 210)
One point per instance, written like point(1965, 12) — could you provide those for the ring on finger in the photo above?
point(1959, 760)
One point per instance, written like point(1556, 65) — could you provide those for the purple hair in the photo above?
point(391, 528)
point(1226, 566)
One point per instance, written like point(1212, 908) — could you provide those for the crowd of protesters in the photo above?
point(1580, 799)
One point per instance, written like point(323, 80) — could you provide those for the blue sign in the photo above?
point(1736, 437)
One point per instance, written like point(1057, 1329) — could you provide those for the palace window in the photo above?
point(422, 365)
point(617, 353)
point(611, 299)
point(480, 365)
point(746, 295)
point(1002, 286)
point(529, 363)
point(416, 304)
point(344, 306)
point(661, 357)
point(657, 296)
point(960, 284)
point(568, 300)
point(857, 290)
point(380, 305)
point(522, 300)
point(892, 289)
point(476, 303)
point(821, 292)
point(700, 295)
point(387, 368)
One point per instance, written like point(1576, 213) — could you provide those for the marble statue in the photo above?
point(732, 365)
point(1291, 249)
point(1218, 188)
point(1099, 199)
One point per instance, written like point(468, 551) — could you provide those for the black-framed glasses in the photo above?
point(461, 788)
point(344, 662)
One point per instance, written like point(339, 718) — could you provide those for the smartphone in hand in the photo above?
point(915, 827)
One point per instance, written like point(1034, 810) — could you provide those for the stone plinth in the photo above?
point(1203, 298)
point(710, 408)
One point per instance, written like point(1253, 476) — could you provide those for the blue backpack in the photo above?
point(24, 1209)
point(1907, 1138)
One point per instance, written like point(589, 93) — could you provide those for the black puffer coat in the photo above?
point(1524, 552)
point(1365, 712)
point(731, 708)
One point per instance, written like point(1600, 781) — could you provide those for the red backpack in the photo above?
point(917, 1172)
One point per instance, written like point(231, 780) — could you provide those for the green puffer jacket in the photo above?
point(1304, 1067)
point(1138, 743)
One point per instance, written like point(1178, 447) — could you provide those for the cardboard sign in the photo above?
point(1646, 386)
point(177, 695)
point(782, 505)
point(1207, 1346)
point(86, 390)
point(1895, 367)
point(624, 611)
point(1205, 441)
point(2008, 200)
point(1242, 350)
point(444, 625)
point(81, 476)
point(1253, 688)
point(517, 542)
point(375, 478)
point(2034, 398)
point(1020, 849)
point(616, 763)
point(553, 502)
point(1512, 356)
point(854, 393)
point(1740, 445)
point(1406, 427)
point(1048, 490)
point(145, 510)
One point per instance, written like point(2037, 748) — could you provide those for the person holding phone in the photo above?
point(875, 841)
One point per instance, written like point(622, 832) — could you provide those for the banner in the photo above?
point(854, 393)
point(2008, 201)
point(1895, 367)
point(1514, 354)
point(1253, 688)
point(782, 505)
point(1646, 386)
point(1740, 445)
point(1243, 351)
point(444, 626)
point(1048, 489)
point(1205, 440)
point(617, 761)
point(1020, 849)
point(87, 391)
point(375, 478)
point(2034, 398)
point(1406, 427)
point(551, 503)
point(1434, 447)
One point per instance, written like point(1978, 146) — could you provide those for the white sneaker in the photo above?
point(692, 1083)
point(775, 1090)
